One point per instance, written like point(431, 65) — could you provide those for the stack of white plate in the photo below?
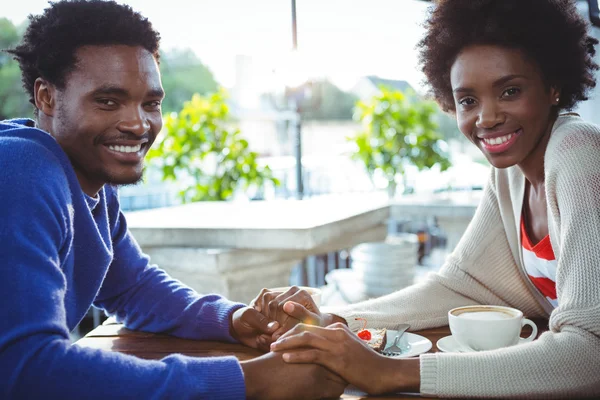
point(385, 267)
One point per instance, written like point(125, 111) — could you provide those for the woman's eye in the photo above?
point(468, 101)
point(511, 92)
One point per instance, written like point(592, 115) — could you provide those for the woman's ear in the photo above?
point(44, 95)
point(554, 95)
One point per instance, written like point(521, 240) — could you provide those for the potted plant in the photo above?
point(397, 130)
point(201, 146)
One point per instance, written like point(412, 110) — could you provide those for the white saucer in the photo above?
point(449, 345)
point(410, 343)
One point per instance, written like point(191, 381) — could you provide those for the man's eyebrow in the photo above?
point(110, 90)
point(113, 90)
point(497, 83)
point(156, 92)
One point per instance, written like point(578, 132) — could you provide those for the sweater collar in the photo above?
point(92, 202)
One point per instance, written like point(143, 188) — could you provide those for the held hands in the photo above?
point(339, 350)
point(289, 309)
point(269, 377)
point(252, 328)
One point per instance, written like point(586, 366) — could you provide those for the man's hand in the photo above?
point(252, 328)
point(291, 308)
point(269, 377)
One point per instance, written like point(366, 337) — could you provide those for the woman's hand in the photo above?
point(342, 352)
point(290, 308)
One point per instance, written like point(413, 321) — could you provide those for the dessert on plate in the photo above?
point(374, 338)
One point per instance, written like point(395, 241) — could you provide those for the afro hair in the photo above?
point(550, 32)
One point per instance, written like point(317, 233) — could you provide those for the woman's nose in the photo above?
point(489, 116)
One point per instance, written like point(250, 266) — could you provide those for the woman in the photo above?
point(506, 69)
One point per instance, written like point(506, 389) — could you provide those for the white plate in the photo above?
point(410, 343)
point(391, 269)
point(447, 344)
point(383, 257)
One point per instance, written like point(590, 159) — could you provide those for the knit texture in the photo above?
point(486, 268)
point(61, 251)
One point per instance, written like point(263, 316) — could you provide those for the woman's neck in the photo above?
point(533, 165)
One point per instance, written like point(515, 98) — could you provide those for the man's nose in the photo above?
point(135, 121)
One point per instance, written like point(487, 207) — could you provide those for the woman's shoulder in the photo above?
point(570, 130)
point(573, 138)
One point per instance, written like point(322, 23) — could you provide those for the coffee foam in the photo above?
point(486, 313)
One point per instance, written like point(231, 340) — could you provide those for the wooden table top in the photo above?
point(114, 337)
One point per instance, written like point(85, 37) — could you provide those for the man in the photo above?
point(91, 69)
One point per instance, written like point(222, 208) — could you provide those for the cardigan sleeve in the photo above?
point(481, 260)
point(565, 361)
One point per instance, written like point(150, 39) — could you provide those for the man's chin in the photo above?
point(126, 182)
point(124, 179)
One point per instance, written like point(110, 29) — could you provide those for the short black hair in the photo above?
point(551, 32)
point(52, 38)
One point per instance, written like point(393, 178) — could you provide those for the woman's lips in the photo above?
point(499, 144)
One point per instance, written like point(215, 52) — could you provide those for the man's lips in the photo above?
point(126, 151)
point(125, 142)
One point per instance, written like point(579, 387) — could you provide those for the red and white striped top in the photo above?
point(540, 264)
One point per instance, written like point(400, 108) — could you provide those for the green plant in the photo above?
point(14, 102)
point(183, 74)
point(202, 146)
point(397, 130)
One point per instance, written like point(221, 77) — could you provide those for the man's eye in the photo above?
point(153, 105)
point(107, 102)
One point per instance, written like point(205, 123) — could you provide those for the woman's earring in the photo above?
point(557, 100)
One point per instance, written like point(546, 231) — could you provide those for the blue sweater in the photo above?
point(62, 251)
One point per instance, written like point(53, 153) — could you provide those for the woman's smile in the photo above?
point(501, 142)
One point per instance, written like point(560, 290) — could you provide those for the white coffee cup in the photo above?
point(315, 293)
point(478, 328)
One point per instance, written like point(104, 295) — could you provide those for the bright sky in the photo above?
point(339, 39)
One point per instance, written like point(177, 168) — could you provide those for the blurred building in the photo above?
point(368, 86)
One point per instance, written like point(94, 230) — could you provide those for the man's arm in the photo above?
point(37, 359)
point(144, 297)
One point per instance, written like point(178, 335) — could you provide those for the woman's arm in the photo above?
point(481, 270)
point(564, 362)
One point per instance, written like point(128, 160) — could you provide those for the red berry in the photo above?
point(364, 335)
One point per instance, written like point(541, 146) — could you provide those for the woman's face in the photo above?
point(502, 104)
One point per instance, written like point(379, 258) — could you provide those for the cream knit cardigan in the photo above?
point(487, 268)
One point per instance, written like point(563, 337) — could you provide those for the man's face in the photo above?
point(108, 114)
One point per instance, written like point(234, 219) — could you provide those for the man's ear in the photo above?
point(44, 95)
